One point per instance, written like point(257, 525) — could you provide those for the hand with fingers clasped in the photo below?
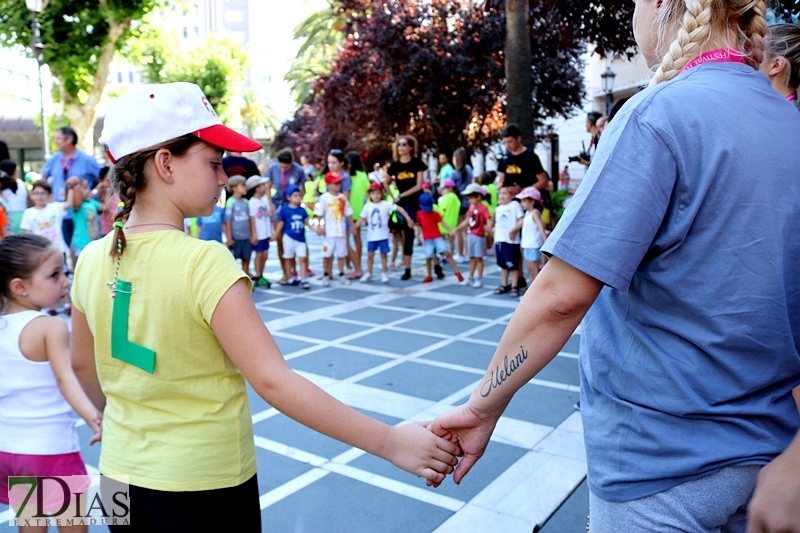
point(416, 450)
point(467, 428)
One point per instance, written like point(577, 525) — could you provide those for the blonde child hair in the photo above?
point(687, 26)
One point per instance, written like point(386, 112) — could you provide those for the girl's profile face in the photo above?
point(200, 179)
point(527, 204)
point(48, 284)
point(334, 164)
point(260, 189)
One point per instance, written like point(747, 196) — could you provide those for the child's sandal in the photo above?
point(502, 289)
point(514, 292)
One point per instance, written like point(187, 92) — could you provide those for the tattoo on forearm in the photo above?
point(499, 375)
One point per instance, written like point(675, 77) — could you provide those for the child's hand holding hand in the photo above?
point(319, 231)
point(254, 241)
point(96, 423)
point(418, 451)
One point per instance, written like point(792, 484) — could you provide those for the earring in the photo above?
point(25, 294)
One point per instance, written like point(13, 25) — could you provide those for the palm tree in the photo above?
point(324, 32)
point(256, 112)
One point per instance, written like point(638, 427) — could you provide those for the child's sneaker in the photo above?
point(367, 277)
point(263, 283)
point(461, 259)
point(391, 266)
point(326, 281)
point(478, 283)
point(466, 282)
point(343, 279)
point(459, 276)
point(384, 277)
point(428, 279)
point(438, 270)
point(305, 284)
point(294, 282)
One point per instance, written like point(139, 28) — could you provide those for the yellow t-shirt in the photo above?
point(187, 426)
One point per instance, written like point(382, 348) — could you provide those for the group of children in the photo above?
point(511, 228)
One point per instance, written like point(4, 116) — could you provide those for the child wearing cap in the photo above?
point(475, 223)
point(506, 241)
point(167, 357)
point(291, 229)
point(238, 231)
point(261, 208)
point(432, 241)
point(376, 215)
point(333, 208)
point(449, 206)
point(534, 233)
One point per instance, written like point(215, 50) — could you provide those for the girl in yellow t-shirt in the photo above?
point(165, 332)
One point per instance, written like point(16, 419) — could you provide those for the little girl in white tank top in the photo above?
point(38, 389)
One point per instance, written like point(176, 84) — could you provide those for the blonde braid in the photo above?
point(753, 22)
point(693, 33)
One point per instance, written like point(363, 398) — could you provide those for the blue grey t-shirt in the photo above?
point(690, 214)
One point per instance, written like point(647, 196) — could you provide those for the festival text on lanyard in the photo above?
point(716, 56)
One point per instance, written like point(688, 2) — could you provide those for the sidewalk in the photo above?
point(403, 352)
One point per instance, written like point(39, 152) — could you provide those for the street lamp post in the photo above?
point(36, 7)
point(608, 88)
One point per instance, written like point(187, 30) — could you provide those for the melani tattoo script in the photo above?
point(499, 375)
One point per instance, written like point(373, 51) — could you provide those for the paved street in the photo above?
point(406, 352)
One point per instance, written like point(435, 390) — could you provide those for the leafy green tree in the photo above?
point(81, 38)
point(219, 67)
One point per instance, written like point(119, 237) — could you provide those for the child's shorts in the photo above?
point(383, 246)
point(507, 255)
point(262, 246)
point(532, 255)
point(334, 247)
point(293, 248)
point(68, 464)
point(242, 249)
point(476, 246)
point(435, 246)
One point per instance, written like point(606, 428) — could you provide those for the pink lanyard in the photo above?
point(716, 56)
point(791, 97)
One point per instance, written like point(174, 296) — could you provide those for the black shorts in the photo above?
point(507, 255)
point(230, 509)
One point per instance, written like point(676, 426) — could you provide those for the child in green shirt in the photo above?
point(448, 206)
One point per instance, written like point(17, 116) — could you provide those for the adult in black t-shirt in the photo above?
point(237, 165)
point(520, 166)
point(408, 171)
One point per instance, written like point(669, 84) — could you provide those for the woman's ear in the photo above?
point(161, 164)
point(777, 65)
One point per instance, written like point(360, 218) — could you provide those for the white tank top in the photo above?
point(35, 419)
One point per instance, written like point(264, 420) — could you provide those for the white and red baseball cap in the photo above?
point(153, 114)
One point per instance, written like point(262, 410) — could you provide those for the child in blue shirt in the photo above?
point(210, 227)
point(291, 226)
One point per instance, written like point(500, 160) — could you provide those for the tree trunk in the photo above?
point(82, 115)
point(518, 69)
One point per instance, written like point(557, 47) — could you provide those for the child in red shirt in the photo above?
point(477, 219)
point(432, 241)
